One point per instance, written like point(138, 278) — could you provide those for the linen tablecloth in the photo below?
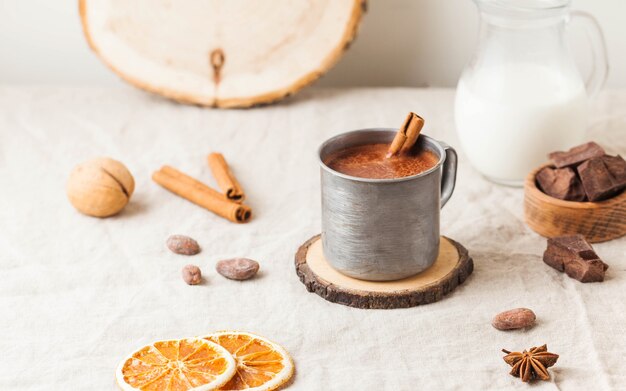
point(77, 293)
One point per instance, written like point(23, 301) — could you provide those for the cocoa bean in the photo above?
point(237, 268)
point(514, 319)
point(192, 274)
point(184, 245)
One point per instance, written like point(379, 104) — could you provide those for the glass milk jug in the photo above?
point(521, 95)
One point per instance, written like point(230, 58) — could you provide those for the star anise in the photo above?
point(531, 364)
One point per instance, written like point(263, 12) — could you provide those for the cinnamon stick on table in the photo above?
point(225, 178)
point(407, 134)
point(200, 194)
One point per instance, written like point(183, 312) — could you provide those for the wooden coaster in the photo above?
point(226, 55)
point(452, 267)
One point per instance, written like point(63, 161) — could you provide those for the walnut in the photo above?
point(100, 187)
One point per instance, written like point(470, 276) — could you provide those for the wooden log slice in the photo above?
point(451, 268)
point(222, 53)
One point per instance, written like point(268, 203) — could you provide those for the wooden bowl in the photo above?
point(550, 217)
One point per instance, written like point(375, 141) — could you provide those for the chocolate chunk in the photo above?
point(617, 167)
point(598, 181)
point(576, 155)
point(561, 183)
point(575, 256)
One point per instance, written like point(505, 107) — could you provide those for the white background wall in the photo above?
point(401, 43)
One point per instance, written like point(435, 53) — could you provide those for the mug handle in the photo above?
point(448, 174)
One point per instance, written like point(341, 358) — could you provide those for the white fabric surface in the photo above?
point(78, 293)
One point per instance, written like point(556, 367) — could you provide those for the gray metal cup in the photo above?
point(383, 229)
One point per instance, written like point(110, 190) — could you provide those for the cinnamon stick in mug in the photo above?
point(200, 194)
point(407, 134)
point(225, 178)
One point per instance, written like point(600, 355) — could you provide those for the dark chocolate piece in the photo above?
point(576, 155)
point(617, 167)
point(575, 256)
point(598, 182)
point(561, 183)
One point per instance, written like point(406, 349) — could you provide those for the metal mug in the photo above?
point(383, 229)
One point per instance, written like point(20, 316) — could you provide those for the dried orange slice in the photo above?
point(177, 365)
point(262, 365)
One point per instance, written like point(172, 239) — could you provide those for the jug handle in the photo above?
point(448, 175)
point(599, 59)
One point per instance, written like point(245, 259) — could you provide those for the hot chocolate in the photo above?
point(370, 161)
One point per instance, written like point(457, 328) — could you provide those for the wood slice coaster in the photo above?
point(450, 269)
point(221, 53)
